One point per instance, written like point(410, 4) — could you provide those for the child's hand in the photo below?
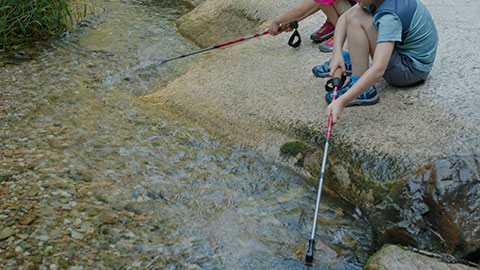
point(335, 108)
point(274, 29)
point(286, 27)
point(337, 62)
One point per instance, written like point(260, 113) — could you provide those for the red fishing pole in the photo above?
point(286, 27)
point(337, 82)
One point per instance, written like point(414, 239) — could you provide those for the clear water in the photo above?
point(192, 201)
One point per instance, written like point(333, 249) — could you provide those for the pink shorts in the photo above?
point(328, 2)
point(325, 2)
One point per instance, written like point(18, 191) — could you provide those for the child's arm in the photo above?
point(338, 42)
point(297, 13)
point(381, 58)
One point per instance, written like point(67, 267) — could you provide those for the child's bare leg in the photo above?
point(334, 11)
point(339, 6)
point(338, 9)
point(362, 38)
point(331, 11)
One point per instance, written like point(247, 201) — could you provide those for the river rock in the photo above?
point(436, 208)
point(393, 257)
point(108, 218)
point(206, 24)
point(6, 232)
point(5, 175)
point(195, 2)
point(77, 235)
point(28, 219)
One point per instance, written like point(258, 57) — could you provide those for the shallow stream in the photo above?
point(122, 185)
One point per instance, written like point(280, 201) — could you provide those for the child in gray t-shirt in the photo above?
point(402, 40)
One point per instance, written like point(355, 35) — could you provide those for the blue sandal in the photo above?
point(323, 71)
point(369, 97)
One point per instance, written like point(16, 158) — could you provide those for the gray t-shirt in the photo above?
point(418, 41)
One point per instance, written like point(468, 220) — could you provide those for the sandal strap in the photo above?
point(324, 68)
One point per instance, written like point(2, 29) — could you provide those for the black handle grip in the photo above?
point(294, 24)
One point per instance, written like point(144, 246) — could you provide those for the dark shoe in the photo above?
point(323, 71)
point(325, 32)
point(369, 97)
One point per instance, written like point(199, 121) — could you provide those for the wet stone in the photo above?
point(55, 204)
point(432, 209)
point(27, 220)
point(63, 263)
point(93, 213)
point(36, 259)
point(77, 235)
point(77, 222)
point(395, 257)
point(108, 218)
point(43, 237)
point(6, 233)
point(33, 267)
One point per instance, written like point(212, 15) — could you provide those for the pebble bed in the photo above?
point(92, 178)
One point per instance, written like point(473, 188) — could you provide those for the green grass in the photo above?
point(24, 21)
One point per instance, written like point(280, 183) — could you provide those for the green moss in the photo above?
point(293, 148)
point(387, 187)
point(360, 181)
point(380, 191)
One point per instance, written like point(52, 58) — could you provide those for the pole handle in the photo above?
point(338, 73)
point(337, 80)
point(288, 27)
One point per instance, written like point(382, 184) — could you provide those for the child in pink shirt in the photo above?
point(332, 9)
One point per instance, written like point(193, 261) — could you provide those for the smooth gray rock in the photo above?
point(393, 257)
point(437, 208)
point(6, 233)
